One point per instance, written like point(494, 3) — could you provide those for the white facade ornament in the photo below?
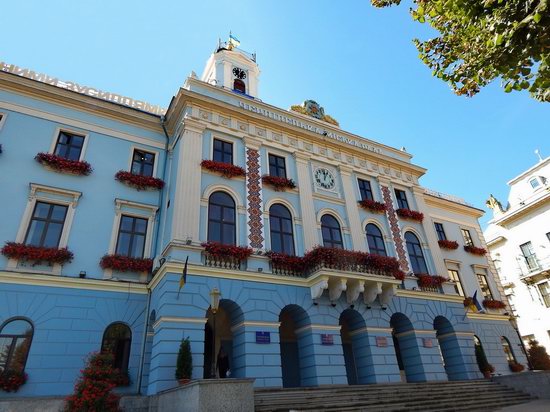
point(388, 292)
point(318, 288)
point(372, 290)
point(354, 289)
point(335, 288)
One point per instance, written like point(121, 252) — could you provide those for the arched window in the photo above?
point(375, 240)
point(510, 357)
point(280, 223)
point(415, 253)
point(15, 343)
point(330, 228)
point(221, 219)
point(239, 86)
point(117, 340)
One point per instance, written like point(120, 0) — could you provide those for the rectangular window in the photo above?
point(534, 183)
point(401, 196)
point(143, 163)
point(454, 276)
point(131, 236)
point(277, 166)
point(544, 290)
point(440, 231)
point(365, 189)
point(69, 146)
point(467, 237)
point(529, 255)
point(46, 225)
point(485, 289)
point(223, 151)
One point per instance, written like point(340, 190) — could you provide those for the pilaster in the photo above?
point(254, 195)
point(309, 223)
point(352, 210)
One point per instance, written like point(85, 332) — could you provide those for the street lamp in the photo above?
point(214, 306)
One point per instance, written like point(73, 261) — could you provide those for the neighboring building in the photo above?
point(518, 238)
point(281, 321)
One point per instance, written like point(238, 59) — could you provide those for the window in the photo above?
point(365, 189)
point(440, 231)
point(277, 166)
point(46, 225)
point(534, 182)
point(401, 196)
point(221, 219)
point(131, 236)
point(529, 255)
point(239, 86)
point(485, 289)
point(223, 151)
point(454, 276)
point(507, 349)
point(15, 343)
point(330, 228)
point(282, 236)
point(117, 340)
point(467, 237)
point(416, 255)
point(69, 146)
point(143, 163)
point(544, 290)
point(375, 240)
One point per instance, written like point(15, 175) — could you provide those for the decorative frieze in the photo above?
point(254, 199)
point(395, 231)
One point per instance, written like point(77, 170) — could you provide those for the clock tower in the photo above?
point(233, 69)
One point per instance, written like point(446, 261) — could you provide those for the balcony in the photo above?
point(532, 268)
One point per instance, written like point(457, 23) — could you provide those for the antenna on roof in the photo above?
point(537, 152)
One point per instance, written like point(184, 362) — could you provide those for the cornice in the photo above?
point(453, 206)
point(528, 208)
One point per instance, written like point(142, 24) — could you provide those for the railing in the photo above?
point(432, 289)
point(285, 271)
point(227, 262)
point(532, 263)
point(349, 268)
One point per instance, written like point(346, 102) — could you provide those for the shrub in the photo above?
point(184, 366)
point(538, 356)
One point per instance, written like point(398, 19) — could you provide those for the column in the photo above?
point(254, 216)
point(352, 210)
point(186, 218)
point(309, 222)
point(429, 230)
point(431, 368)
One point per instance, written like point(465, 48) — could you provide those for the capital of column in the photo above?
point(383, 180)
point(252, 143)
point(345, 170)
point(301, 157)
point(193, 125)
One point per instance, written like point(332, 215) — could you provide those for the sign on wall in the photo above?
point(381, 341)
point(327, 339)
point(263, 337)
point(427, 342)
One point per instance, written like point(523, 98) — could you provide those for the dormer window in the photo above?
point(534, 182)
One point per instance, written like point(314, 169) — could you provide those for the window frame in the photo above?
point(468, 240)
point(401, 203)
point(545, 297)
point(363, 190)
point(156, 153)
point(510, 356)
point(277, 167)
point(416, 256)
point(479, 277)
point(538, 183)
point(143, 163)
point(459, 287)
point(126, 360)
point(281, 233)
point(17, 337)
point(224, 141)
point(47, 221)
point(235, 219)
point(440, 231)
point(385, 250)
point(332, 229)
point(132, 233)
point(70, 131)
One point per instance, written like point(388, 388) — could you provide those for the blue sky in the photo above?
point(358, 62)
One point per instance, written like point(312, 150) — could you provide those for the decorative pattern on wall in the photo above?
point(396, 233)
point(254, 200)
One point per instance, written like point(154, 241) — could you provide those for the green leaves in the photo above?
point(537, 17)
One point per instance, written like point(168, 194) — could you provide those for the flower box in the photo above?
point(410, 214)
point(493, 304)
point(475, 250)
point(126, 264)
point(283, 264)
point(516, 367)
point(225, 169)
point(36, 254)
point(60, 164)
point(11, 381)
point(428, 281)
point(448, 244)
point(279, 184)
point(372, 206)
point(221, 251)
point(138, 181)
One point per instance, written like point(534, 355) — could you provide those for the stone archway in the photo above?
point(295, 338)
point(406, 349)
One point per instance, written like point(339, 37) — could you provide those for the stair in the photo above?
point(475, 395)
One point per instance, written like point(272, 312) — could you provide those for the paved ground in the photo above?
point(540, 405)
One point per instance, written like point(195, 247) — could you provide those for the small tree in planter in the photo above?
point(538, 356)
point(484, 366)
point(184, 365)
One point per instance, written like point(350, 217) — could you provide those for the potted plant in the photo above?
point(184, 365)
point(484, 366)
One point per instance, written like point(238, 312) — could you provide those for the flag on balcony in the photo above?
point(183, 277)
point(476, 306)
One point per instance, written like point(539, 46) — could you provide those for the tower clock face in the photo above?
point(325, 179)
point(239, 73)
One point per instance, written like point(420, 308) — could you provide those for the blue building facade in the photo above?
point(236, 188)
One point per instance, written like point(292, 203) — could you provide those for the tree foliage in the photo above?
point(538, 356)
point(184, 365)
point(483, 40)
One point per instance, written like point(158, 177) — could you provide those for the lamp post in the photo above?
point(214, 306)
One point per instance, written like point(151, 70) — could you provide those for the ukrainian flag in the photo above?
point(233, 41)
point(476, 306)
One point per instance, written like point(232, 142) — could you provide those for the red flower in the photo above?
point(493, 304)
point(279, 184)
point(21, 251)
point(475, 250)
point(225, 169)
point(448, 244)
point(373, 206)
point(138, 181)
point(410, 214)
point(221, 251)
point(64, 165)
point(425, 280)
point(126, 264)
point(516, 367)
point(11, 380)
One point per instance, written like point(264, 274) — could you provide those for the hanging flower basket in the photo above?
point(493, 304)
point(225, 169)
point(36, 254)
point(372, 206)
point(475, 250)
point(60, 164)
point(11, 381)
point(279, 184)
point(126, 264)
point(138, 181)
point(516, 367)
point(427, 281)
point(410, 214)
point(448, 244)
point(221, 251)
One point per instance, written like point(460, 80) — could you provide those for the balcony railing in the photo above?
point(282, 270)
point(432, 289)
point(227, 262)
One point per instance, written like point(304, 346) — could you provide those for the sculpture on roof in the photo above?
point(314, 109)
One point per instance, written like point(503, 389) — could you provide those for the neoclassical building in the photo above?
point(314, 255)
